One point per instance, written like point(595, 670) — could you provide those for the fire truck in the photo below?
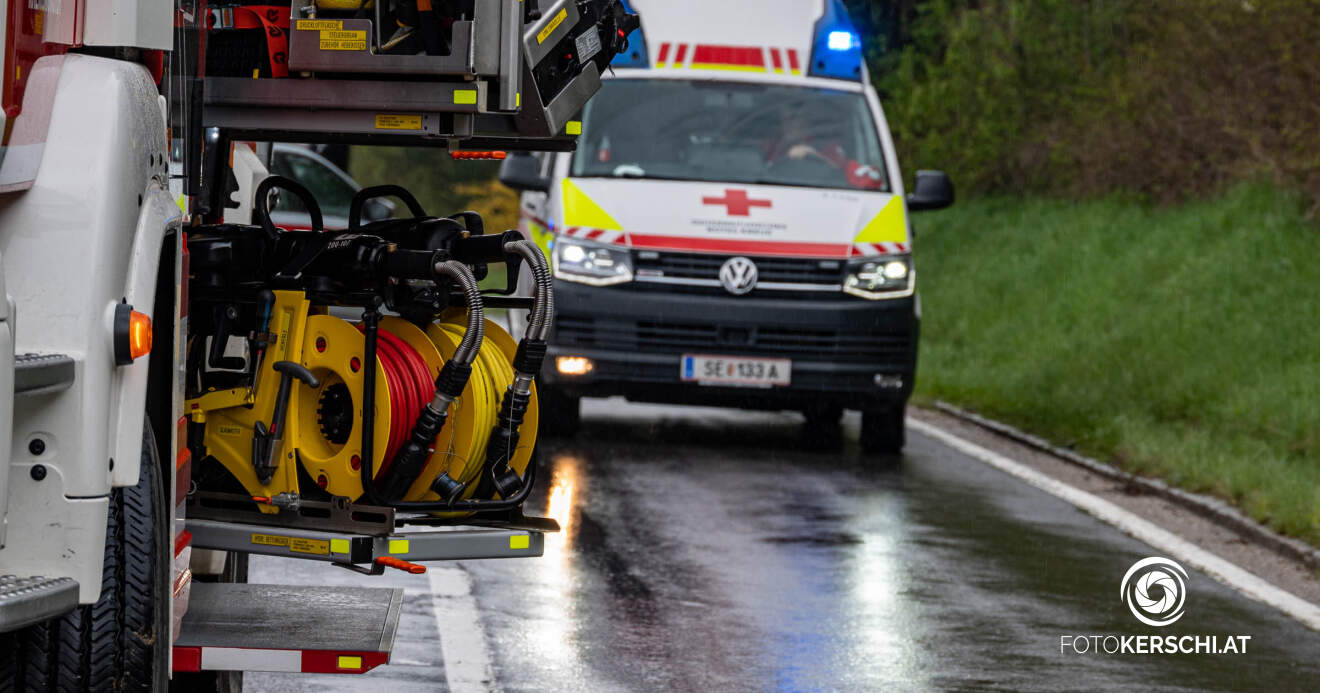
point(185, 383)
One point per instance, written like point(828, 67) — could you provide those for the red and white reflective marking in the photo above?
point(598, 235)
point(880, 248)
point(191, 659)
point(739, 246)
point(739, 58)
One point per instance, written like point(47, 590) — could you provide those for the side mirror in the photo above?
point(933, 190)
point(377, 209)
point(522, 172)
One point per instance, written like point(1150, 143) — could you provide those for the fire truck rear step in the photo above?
point(352, 549)
point(28, 600)
point(308, 629)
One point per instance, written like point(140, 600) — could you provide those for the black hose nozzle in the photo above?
point(530, 356)
point(504, 442)
point(453, 378)
point(448, 488)
point(411, 458)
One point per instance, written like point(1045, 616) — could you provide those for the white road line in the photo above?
point(462, 639)
point(1143, 530)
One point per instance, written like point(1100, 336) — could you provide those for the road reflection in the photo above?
point(553, 623)
point(560, 506)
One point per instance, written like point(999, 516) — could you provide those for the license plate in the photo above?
point(736, 371)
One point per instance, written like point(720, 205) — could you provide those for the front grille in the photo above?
point(655, 336)
point(769, 269)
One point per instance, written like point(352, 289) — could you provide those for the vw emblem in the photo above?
point(738, 275)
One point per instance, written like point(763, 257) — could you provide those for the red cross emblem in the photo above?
point(737, 202)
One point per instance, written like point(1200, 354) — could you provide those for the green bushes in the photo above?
point(1168, 100)
point(1175, 342)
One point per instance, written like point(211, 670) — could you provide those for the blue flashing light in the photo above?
point(841, 40)
point(836, 51)
point(636, 55)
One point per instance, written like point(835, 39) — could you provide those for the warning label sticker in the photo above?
point(550, 28)
point(398, 122)
point(319, 24)
point(343, 41)
point(294, 544)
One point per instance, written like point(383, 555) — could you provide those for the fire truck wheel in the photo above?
point(883, 431)
point(121, 642)
point(560, 414)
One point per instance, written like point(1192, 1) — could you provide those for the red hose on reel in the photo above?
point(410, 386)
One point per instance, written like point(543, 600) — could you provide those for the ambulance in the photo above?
point(733, 229)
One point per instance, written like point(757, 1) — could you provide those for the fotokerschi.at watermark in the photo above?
point(1155, 591)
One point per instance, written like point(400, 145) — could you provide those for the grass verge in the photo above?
point(1182, 343)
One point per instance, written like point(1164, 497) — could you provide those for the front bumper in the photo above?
point(846, 351)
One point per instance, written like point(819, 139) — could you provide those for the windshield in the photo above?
point(332, 192)
point(730, 133)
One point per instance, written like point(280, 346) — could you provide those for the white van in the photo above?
point(732, 229)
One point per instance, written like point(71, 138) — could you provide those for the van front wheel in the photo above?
point(882, 429)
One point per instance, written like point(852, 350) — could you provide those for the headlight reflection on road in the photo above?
point(552, 630)
point(560, 509)
point(885, 618)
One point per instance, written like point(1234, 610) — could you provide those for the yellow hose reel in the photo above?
point(323, 424)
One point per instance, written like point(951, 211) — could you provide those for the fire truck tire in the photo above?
point(120, 642)
point(883, 430)
point(560, 414)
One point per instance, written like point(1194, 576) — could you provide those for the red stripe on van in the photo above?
point(741, 56)
point(709, 245)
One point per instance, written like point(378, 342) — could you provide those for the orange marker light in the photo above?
point(131, 334)
point(139, 334)
point(478, 156)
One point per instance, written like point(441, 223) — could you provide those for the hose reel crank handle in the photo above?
point(266, 441)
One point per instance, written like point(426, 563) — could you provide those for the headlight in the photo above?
point(889, 276)
point(585, 262)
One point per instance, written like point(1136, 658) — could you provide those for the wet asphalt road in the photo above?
point(715, 550)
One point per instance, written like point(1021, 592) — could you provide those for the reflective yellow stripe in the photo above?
point(540, 236)
point(580, 210)
point(398, 546)
point(521, 541)
point(889, 226)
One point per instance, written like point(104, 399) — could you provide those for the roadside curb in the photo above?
point(1213, 509)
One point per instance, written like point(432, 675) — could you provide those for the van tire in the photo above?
point(121, 642)
point(560, 414)
point(883, 430)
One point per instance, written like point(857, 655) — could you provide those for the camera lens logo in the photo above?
point(1155, 589)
